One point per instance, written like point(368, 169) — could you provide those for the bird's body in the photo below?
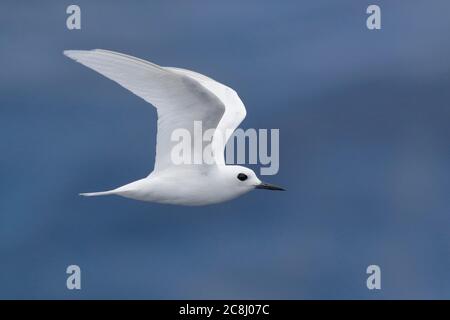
point(182, 98)
point(183, 186)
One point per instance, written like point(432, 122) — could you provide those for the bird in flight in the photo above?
point(181, 97)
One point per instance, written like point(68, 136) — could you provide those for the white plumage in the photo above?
point(181, 97)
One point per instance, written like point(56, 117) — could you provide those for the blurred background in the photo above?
point(364, 152)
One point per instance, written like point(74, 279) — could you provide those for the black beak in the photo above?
point(268, 186)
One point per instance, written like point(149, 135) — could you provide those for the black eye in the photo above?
point(242, 176)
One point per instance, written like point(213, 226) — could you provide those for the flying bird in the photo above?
point(181, 97)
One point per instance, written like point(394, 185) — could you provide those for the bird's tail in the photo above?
point(120, 191)
point(101, 193)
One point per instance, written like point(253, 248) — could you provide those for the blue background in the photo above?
point(364, 129)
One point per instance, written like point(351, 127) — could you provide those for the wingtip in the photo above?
point(75, 54)
point(72, 54)
point(68, 53)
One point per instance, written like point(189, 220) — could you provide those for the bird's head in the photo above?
point(246, 179)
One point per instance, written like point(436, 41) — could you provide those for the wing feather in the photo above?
point(179, 98)
point(234, 110)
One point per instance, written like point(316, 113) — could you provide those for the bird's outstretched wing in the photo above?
point(180, 100)
point(180, 96)
point(234, 110)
